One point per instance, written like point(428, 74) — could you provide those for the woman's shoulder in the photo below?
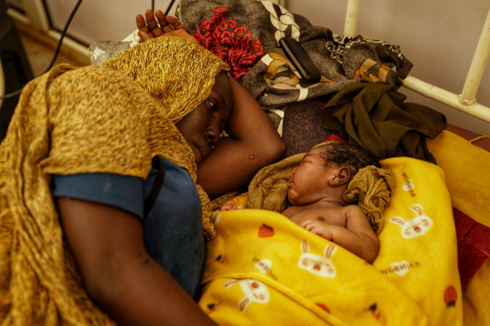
point(97, 124)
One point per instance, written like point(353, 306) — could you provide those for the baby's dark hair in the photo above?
point(346, 154)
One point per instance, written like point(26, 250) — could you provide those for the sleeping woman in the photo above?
point(105, 179)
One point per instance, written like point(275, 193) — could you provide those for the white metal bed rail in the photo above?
point(466, 101)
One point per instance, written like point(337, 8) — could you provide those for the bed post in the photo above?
point(477, 67)
point(466, 101)
point(351, 17)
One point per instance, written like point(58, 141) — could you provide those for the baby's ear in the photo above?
point(342, 176)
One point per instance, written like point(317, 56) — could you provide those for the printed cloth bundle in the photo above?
point(245, 34)
point(375, 116)
point(263, 269)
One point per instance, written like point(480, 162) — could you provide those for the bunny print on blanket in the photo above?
point(255, 291)
point(416, 226)
point(321, 266)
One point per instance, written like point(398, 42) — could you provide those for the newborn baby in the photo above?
point(316, 191)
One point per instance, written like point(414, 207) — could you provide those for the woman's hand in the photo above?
point(169, 26)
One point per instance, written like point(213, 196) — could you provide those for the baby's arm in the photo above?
point(358, 237)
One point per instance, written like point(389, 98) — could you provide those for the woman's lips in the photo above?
point(197, 154)
point(201, 152)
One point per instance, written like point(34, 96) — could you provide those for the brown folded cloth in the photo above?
point(269, 188)
point(374, 116)
point(371, 188)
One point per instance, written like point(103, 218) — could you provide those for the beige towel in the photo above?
point(371, 187)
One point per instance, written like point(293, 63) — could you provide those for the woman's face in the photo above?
point(202, 127)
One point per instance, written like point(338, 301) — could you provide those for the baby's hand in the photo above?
point(228, 207)
point(320, 228)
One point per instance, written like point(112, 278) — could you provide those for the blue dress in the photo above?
point(172, 223)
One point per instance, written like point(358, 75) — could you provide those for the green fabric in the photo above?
point(374, 116)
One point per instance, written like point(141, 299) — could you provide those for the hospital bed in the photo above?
point(466, 169)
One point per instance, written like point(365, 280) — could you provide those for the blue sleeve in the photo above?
point(121, 191)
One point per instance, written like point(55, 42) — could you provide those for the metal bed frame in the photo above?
point(466, 101)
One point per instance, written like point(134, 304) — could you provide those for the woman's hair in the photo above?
point(346, 154)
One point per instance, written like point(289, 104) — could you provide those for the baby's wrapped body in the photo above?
point(346, 226)
point(290, 276)
point(316, 192)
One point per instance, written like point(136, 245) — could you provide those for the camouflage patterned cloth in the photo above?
point(245, 34)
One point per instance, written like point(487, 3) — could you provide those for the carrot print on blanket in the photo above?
point(222, 259)
point(266, 231)
point(378, 314)
point(211, 307)
point(450, 296)
point(324, 307)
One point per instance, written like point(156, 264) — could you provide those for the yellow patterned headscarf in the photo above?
point(87, 120)
point(179, 76)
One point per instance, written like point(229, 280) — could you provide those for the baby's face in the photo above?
point(309, 181)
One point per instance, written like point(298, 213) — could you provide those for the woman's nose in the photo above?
point(213, 135)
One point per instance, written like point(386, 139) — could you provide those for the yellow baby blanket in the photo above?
point(262, 269)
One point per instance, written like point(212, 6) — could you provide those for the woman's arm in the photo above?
point(253, 143)
point(108, 247)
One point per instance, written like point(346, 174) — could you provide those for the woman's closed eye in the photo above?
point(212, 104)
